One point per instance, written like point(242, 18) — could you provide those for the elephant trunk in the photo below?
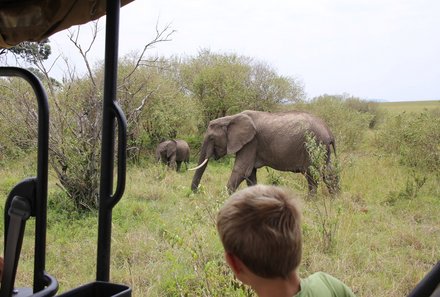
point(203, 162)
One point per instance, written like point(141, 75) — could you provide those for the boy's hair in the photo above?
point(261, 226)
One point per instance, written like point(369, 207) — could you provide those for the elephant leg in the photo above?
point(243, 166)
point(235, 180)
point(172, 162)
point(179, 163)
point(252, 179)
point(311, 183)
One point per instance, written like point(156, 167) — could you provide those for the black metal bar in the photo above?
point(18, 212)
point(122, 154)
point(108, 139)
point(42, 172)
point(50, 289)
point(428, 284)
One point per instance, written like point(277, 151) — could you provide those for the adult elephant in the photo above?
point(262, 139)
point(173, 153)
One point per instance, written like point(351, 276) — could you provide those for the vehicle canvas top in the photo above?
point(36, 20)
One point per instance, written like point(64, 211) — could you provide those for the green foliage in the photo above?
point(75, 141)
point(411, 190)
point(274, 177)
point(319, 168)
point(155, 107)
point(18, 117)
point(207, 275)
point(195, 142)
point(227, 84)
point(32, 52)
point(327, 214)
point(48, 82)
point(164, 240)
point(367, 107)
point(347, 124)
point(216, 82)
point(414, 138)
point(317, 155)
point(324, 204)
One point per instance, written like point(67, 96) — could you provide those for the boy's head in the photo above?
point(260, 225)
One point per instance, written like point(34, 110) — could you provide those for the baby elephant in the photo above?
point(173, 153)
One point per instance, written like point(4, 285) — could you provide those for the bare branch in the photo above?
point(161, 36)
point(74, 39)
point(139, 108)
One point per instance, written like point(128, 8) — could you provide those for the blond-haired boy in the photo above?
point(260, 228)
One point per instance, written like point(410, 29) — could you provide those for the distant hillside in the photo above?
point(410, 106)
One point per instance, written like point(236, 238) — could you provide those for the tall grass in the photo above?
point(165, 243)
point(410, 106)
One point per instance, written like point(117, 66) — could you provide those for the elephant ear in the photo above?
point(241, 130)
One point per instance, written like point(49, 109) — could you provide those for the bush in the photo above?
point(348, 125)
point(18, 118)
point(414, 138)
point(367, 107)
point(412, 189)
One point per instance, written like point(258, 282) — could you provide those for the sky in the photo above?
point(373, 49)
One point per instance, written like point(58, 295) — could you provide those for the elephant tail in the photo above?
point(333, 143)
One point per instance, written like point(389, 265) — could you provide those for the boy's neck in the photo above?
point(277, 287)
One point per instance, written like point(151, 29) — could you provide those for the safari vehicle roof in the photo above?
point(35, 20)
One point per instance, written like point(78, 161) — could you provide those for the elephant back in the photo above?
point(183, 150)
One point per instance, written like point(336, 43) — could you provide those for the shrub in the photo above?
point(414, 138)
point(348, 125)
point(367, 107)
point(18, 118)
point(412, 188)
point(327, 217)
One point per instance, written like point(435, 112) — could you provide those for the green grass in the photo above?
point(165, 243)
point(410, 106)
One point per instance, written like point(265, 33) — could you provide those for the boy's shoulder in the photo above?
point(323, 284)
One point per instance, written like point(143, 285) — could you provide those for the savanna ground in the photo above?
point(380, 235)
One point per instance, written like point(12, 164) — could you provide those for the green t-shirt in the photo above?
point(321, 284)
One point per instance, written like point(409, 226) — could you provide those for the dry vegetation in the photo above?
point(383, 238)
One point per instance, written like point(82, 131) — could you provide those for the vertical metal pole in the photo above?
point(108, 140)
point(42, 172)
point(41, 191)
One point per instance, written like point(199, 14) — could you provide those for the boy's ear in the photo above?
point(233, 262)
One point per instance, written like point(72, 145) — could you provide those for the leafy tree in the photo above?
point(227, 84)
point(34, 55)
point(268, 89)
point(155, 106)
point(76, 118)
point(32, 52)
point(75, 131)
point(217, 82)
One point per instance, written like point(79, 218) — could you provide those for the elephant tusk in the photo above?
point(195, 168)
